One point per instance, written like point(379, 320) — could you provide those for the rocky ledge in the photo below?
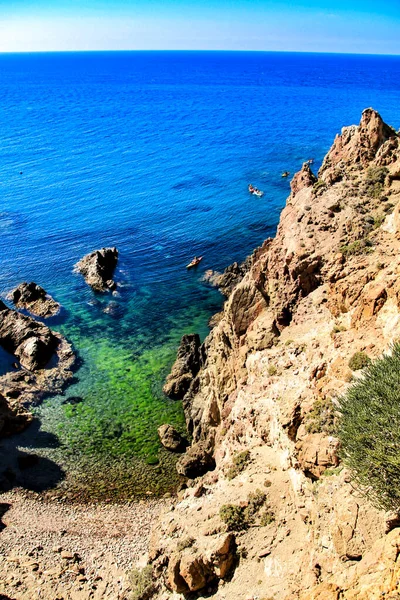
point(34, 299)
point(43, 364)
point(98, 269)
point(259, 398)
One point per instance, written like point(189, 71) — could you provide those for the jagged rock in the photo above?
point(356, 146)
point(35, 299)
point(227, 280)
point(328, 295)
point(185, 368)
point(30, 341)
point(193, 570)
point(13, 418)
point(47, 360)
point(196, 461)
point(174, 580)
point(302, 179)
point(98, 268)
point(316, 453)
point(170, 438)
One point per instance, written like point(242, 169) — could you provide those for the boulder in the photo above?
point(170, 438)
point(34, 298)
point(194, 569)
point(13, 418)
point(30, 341)
point(197, 461)
point(316, 453)
point(98, 269)
point(185, 368)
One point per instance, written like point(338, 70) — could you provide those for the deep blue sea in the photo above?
point(152, 152)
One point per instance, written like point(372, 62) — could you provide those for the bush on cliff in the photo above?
point(369, 430)
point(142, 583)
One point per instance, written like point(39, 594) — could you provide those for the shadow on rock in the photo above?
point(28, 469)
point(4, 507)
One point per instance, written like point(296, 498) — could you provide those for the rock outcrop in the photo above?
point(98, 269)
point(184, 369)
point(227, 280)
point(35, 299)
point(30, 341)
point(171, 439)
point(261, 407)
point(44, 364)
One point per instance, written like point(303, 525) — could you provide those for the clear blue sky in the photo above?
point(362, 26)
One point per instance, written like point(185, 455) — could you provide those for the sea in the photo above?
point(151, 152)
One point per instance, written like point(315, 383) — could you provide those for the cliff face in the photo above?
point(262, 402)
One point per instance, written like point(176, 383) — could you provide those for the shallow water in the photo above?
point(152, 152)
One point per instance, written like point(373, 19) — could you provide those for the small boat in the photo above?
point(285, 174)
point(194, 262)
point(310, 161)
point(255, 191)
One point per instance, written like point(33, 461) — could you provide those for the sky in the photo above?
point(358, 26)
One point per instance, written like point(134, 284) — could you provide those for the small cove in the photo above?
point(151, 153)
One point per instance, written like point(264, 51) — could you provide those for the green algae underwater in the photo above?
point(107, 443)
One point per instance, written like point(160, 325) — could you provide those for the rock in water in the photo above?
point(98, 269)
point(185, 368)
point(227, 280)
point(170, 438)
point(35, 299)
point(31, 342)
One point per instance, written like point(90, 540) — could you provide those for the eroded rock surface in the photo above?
point(30, 341)
point(98, 269)
point(34, 299)
point(44, 363)
point(171, 439)
point(185, 368)
point(261, 406)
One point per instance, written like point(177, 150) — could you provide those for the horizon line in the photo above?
point(166, 50)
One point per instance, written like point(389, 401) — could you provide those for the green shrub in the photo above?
point(375, 180)
point(239, 462)
point(321, 418)
point(358, 361)
point(233, 516)
point(369, 430)
point(185, 543)
point(238, 518)
point(378, 220)
point(142, 583)
point(337, 329)
point(255, 501)
point(319, 186)
point(363, 246)
point(267, 518)
point(272, 370)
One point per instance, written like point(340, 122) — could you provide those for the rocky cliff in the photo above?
point(275, 516)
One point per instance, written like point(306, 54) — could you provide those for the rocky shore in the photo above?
point(269, 510)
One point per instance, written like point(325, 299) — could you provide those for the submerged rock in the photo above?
point(185, 368)
point(171, 439)
point(35, 299)
point(98, 269)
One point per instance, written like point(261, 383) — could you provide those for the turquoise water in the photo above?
point(152, 152)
